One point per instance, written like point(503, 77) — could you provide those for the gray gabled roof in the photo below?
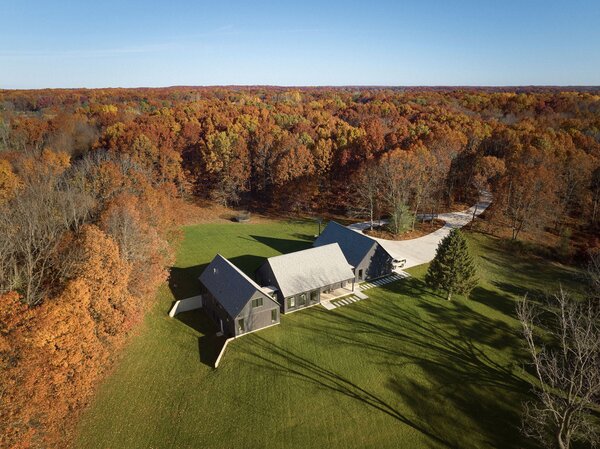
point(354, 245)
point(230, 286)
point(310, 269)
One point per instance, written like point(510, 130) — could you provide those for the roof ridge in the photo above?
point(312, 248)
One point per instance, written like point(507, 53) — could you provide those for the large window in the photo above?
point(274, 316)
point(241, 325)
point(302, 299)
point(257, 302)
point(292, 301)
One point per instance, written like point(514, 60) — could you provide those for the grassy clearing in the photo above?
point(403, 368)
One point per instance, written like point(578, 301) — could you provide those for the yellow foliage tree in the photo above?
point(9, 181)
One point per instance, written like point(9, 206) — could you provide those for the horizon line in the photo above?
point(317, 86)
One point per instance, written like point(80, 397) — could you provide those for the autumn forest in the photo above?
point(94, 184)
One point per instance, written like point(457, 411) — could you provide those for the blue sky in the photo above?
point(60, 43)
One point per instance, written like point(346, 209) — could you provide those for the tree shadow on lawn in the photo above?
point(526, 272)
point(428, 341)
point(184, 283)
point(501, 303)
point(495, 333)
point(518, 291)
point(209, 344)
point(492, 423)
point(287, 363)
point(411, 287)
point(283, 246)
point(458, 371)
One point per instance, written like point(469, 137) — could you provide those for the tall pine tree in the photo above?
point(452, 269)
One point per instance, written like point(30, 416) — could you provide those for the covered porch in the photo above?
point(339, 292)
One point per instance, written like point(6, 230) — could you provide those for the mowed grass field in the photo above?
point(402, 369)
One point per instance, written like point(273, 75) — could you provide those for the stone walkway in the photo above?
point(384, 280)
point(346, 300)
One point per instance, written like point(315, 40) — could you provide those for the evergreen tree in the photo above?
point(452, 269)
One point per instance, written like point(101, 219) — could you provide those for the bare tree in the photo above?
point(125, 228)
point(4, 134)
point(526, 193)
point(563, 341)
point(595, 193)
point(426, 174)
point(8, 263)
point(593, 275)
point(32, 226)
point(396, 192)
point(367, 190)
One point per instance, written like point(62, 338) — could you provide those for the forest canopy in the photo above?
point(91, 182)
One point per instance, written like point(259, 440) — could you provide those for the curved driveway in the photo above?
point(422, 249)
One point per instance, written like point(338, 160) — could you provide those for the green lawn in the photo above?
point(403, 368)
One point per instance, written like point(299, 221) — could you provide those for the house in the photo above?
point(298, 279)
point(369, 259)
point(234, 301)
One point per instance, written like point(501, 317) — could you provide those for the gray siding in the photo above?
point(309, 300)
point(254, 317)
point(257, 317)
point(376, 263)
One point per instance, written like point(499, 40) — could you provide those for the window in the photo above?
point(257, 302)
point(241, 327)
point(302, 299)
point(274, 316)
point(292, 302)
point(360, 275)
